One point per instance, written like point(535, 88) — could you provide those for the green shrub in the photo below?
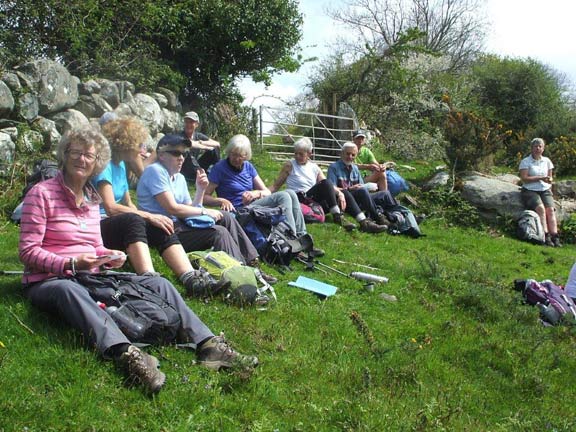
point(472, 141)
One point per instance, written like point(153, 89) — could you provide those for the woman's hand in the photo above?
point(214, 214)
point(226, 205)
point(356, 187)
point(90, 261)
point(165, 223)
point(249, 196)
point(201, 179)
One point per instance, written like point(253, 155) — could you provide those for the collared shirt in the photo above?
point(344, 176)
point(537, 167)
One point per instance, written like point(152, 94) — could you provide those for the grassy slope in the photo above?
point(458, 351)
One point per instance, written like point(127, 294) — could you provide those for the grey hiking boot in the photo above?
point(556, 240)
point(383, 220)
point(371, 227)
point(215, 354)
point(200, 284)
point(338, 219)
point(548, 240)
point(143, 369)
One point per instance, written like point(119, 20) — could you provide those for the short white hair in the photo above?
point(349, 144)
point(303, 143)
point(537, 141)
point(239, 143)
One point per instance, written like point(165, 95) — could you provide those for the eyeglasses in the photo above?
point(178, 153)
point(76, 154)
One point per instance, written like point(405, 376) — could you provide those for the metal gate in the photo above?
point(279, 128)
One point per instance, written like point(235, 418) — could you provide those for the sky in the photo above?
point(542, 30)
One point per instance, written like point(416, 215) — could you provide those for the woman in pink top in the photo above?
point(60, 235)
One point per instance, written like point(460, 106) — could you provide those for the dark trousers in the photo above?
point(323, 193)
point(227, 235)
point(70, 301)
point(195, 161)
point(122, 230)
point(358, 201)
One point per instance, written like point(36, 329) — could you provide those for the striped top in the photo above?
point(53, 228)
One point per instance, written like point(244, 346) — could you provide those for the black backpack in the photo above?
point(275, 241)
point(43, 170)
point(139, 311)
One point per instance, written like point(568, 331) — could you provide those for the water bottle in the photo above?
point(133, 329)
point(369, 277)
point(549, 313)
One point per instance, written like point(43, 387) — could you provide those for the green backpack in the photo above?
point(244, 280)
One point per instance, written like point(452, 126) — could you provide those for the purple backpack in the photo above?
point(551, 299)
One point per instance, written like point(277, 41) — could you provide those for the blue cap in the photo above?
point(108, 116)
point(173, 140)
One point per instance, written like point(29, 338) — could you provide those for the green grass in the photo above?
point(458, 351)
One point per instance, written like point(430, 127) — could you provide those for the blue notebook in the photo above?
point(315, 286)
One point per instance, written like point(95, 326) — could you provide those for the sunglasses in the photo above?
point(178, 153)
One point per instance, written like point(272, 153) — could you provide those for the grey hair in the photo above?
point(239, 143)
point(537, 141)
point(349, 144)
point(303, 143)
point(86, 137)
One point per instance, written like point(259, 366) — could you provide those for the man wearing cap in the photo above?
point(200, 142)
point(345, 175)
point(372, 171)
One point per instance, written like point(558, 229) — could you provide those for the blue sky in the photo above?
point(543, 30)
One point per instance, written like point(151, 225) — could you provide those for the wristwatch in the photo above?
point(203, 212)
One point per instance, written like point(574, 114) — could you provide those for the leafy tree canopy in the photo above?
point(522, 94)
point(201, 46)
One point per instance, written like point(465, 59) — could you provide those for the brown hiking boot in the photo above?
point(216, 353)
point(339, 219)
point(368, 226)
point(143, 369)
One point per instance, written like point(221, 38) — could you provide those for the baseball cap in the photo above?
point(173, 140)
point(192, 116)
point(359, 133)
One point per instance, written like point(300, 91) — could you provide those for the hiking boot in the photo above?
point(268, 278)
point(556, 240)
point(548, 240)
point(368, 226)
point(142, 368)
point(316, 253)
point(216, 353)
point(338, 219)
point(201, 284)
point(383, 220)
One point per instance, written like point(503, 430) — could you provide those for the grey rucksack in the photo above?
point(530, 228)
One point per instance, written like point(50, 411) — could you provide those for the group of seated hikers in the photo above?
point(83, 221)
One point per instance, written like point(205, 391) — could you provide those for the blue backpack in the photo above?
point(396, 183)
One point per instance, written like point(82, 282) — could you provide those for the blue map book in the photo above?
point(314, 286)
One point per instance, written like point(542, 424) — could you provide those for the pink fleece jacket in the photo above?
point(53, 229)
